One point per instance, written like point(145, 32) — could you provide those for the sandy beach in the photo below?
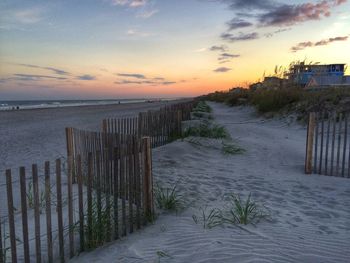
point(37, 135)
point(309, 214)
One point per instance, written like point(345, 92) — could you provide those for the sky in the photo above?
point(98, 49)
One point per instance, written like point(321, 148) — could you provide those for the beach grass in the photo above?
point(207, 130)
point(167, 198)
point(243, 211)
point(208, 219)
point(231, 149)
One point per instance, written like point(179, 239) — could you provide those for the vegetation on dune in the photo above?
point(209, 219)
point(207, 130)
point(167, 198)
point(243, 211)
point(202, 107)
point(287, 100)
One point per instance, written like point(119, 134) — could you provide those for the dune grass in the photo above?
point(207, 130)
point(167, 198)
point(231, 149)
point(209, 219)
point(202, 107)
point(243, 211)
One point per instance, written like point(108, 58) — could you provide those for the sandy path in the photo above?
point(310, 214)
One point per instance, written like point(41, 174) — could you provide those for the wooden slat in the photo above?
point(131, 185)
point(24, 210)
point(322, 143)
point(70, 206)
point(48, 212)
point(1, 247)
point(345, 144)
point(327, 143)
point(339, 143)
point(138, 182)
point(116, 189)
point(310, 143)
point(148, 181)
point(122, 183)
point(59, 210)
point(36, 213)
point(333, 143)
point(81, 204)
point(317, 119)
point(107, 194)
point(89, 199)
point(99, 196)
point(11, 216)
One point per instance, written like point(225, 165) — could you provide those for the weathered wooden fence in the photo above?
point(161, 125)
point(55, 219)
point(328, 144)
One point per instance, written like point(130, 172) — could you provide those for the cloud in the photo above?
point(200, 50)
point(236, 23)
point(134, 32)
point(86, 77)
point(303, 45)
point(248, 4)
point(31, 77)
point(287, 15)
point(224, 56)
point(29, 16)
point(221, 48)
point(241, 37)
point(144, 82)
point(147, 13)
point(130, 3)
point(54, 70)
point(222, 70)
point(132, 75)
point(271, 34)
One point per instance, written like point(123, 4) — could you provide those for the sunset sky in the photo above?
point(74, 49)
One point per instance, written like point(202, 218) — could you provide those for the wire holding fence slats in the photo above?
point(328, 144)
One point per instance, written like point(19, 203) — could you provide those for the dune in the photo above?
point(309, 214)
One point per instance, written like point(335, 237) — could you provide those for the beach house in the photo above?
point(319, 76)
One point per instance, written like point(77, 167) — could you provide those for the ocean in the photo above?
point(41, 104)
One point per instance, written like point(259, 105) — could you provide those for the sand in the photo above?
point(310, 214)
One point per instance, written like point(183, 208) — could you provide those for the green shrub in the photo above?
point(202, 107)
point(229, 148)
point(207, 130)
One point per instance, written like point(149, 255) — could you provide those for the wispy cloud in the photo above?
point(132, 75)
point(200, 50)
point(130, 3)
point(137, 33)
point(147, 13)
point(227, 56)
point(86, 77)
point(33, 77)
point(240, 37)
point(303, 45)
point(54, 70)
point(222, 70)
point(221, 48)
point(29, 16)
point(237, 23)
point(141, 79)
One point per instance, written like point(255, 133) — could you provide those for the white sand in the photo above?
point(310, 214)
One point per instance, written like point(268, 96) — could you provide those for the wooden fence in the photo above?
point(161, 125)
point(56, 219)
point(328, 144)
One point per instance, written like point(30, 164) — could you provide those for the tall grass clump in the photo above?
point(202, 107)
point(209, 219)
point(99, 224)
point(207, 130)
point(167, 198)
point(243, 211)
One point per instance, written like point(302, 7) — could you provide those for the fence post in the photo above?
point(11, 216)
point(310, 142)
point(148, 180)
